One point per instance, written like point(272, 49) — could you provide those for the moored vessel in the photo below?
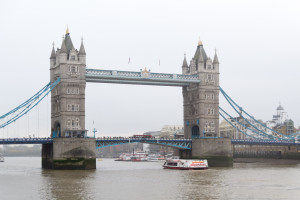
point(1, 158)
point(182, 164)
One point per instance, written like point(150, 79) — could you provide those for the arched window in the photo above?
point(195, 132)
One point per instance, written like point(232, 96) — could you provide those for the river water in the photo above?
point(23, 178)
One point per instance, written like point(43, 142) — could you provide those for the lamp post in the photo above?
point(94, 131)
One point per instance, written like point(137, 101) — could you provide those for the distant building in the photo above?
point(172, 131)
point(168, 131)
point(281, 122)
point(243, 128)
point(228, 131)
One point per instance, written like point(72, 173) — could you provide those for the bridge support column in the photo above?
point(217, 151)
point(69, 153)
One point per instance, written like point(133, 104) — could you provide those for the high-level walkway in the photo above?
point(144, 77)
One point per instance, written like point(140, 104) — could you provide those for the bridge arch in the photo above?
point(56, 130)
point(174, 143)
point(195, 132)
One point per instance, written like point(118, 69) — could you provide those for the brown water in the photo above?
point(23, 178)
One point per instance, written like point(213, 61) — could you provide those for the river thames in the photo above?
point(23, 178)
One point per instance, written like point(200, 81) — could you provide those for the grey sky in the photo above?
point(257, 44)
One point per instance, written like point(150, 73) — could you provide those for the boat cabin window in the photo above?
point(172, 164)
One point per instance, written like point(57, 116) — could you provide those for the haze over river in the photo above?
point(23, 178)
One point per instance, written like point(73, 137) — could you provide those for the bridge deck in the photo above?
point(177, 143)
point(141, 78)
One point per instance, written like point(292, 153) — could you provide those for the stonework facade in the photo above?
point(201, 101)
point(68, 97)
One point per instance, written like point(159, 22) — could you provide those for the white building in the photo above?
point(278, 119)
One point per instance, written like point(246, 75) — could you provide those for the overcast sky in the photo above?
point(257, 44)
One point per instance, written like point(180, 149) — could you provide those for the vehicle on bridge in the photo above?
point(142, 136)
point(181, 164)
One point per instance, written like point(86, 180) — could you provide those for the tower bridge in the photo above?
point(69, 147)
point(200, 88)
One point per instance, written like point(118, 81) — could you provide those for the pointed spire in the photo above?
point(82, 50)
point(53, 52)
point(201, 59)
point(200, 55)
point(68, 43)
point(216, 60)
point(63, 48)
point(200, 43)
point(185, 64)
point(67, 31)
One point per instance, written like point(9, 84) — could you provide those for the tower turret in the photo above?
point(52, 57)
point(63, 52)
point(82, 54)
point(185, 67)
point(200, 57)
point(216, 62)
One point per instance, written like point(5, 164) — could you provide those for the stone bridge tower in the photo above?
point(201, 101)
point(68, 98)
point(201, 111)
point(71, 149)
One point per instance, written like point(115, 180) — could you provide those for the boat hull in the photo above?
point(181, 164)
point(184, 168)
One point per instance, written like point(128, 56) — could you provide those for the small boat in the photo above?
point(182, 164)
point(124, 157)
point(134, 157)
point(138, 156)
point(1, 158)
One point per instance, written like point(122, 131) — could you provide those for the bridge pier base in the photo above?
point(217, 151)
point(69, 154)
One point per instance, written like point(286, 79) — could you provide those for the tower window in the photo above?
point(73, 107)
point(73, 57)
point(73, 69)
point(210, 77)
point(73, 90)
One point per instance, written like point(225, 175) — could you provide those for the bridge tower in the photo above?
point(71, 148)
point(201, 109)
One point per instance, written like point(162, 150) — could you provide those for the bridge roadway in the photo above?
point(175, 143)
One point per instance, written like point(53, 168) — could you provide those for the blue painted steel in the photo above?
point(29, 104)
point(176, 143)
point(26, 141)
point(227, 98)
point(234, 125)
point(239, 124)
point(230, 101)
point(54, 134)
point(266, 142)
point(140, 78)
point(26, 102)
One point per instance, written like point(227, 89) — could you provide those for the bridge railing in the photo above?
point(265, 142)
point(26, 140)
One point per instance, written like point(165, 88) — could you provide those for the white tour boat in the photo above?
point(182, 164)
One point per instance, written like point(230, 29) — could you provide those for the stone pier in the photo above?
point(69, 154)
